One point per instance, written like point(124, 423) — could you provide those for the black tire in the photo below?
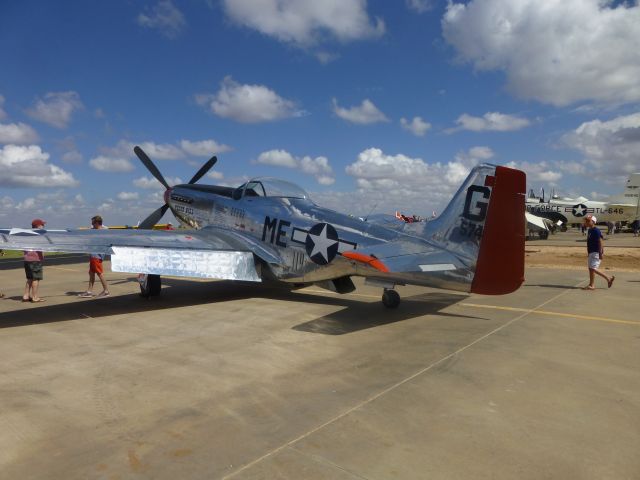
point(390, 299)
point(152, 287)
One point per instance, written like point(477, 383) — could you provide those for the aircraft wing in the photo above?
point(534, 222)
point(207, 253)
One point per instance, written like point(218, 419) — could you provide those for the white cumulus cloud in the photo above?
point(490, 121)
point(555, 51)
point(318, 167)
point(56, 108)
point(390, 183)
point(126, 196)
point(28, 166)
point(72, 156)
point(150, 183)
point(417, 126)
point(248, 103)
point(305, 23)
point(375, 168)
point(609, 148)
point(543, 173)
point(481, 153)
point(160, 151)
point(164, 17)
point(420, 6)
point(104, 163)
point(17, 133)
point(203, 148)
point(364, 114)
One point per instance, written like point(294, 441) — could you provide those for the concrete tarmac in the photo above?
point(216, 380)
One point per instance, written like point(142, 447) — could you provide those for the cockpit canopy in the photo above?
point(269, 187)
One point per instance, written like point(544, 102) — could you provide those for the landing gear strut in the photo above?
point(150, 285)
point(390, 298)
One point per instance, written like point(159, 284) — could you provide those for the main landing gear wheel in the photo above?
point(390, 299)
point(150, 285)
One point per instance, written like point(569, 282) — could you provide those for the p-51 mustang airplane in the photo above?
point(269, 230)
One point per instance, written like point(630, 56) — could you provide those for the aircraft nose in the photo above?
point(167, 195)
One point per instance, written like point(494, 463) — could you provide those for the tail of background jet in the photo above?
point(484, 226)
point(630, 194)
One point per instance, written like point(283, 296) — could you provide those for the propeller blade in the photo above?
point(204, 169)
point(150, 166)
point(151, 220)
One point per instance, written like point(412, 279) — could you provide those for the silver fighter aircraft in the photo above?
point(269, 230)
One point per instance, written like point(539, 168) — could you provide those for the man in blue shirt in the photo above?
point(595, 250)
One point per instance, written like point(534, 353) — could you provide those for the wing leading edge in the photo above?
point(207, 253)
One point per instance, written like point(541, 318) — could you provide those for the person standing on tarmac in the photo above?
point(595, 251)
point(95, 266)
point(33, 269)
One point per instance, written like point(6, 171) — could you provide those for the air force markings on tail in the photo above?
point(269, 230)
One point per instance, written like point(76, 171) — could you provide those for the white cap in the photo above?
point(594, 219)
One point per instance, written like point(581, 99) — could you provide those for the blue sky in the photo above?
point(377, 104)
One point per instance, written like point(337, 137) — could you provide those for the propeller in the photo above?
point(157, 214)
point(146, 161)
point(151, 220)
point(204, 169)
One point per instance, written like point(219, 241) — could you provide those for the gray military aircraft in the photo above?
point(624, 207)
point(269, 230)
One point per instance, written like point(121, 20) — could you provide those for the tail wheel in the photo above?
point(150, 286)
point(390, 299)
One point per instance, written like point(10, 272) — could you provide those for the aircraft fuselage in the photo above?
point(307, 237)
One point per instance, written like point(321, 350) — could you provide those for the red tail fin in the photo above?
point(500, 264)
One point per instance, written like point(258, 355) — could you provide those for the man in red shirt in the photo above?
point(33, 269)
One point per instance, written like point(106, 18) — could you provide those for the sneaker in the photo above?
point(104, 293)
point(86, 294)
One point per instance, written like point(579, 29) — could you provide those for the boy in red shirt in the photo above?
point(95, 266)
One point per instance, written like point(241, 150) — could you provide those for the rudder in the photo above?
point(484, 226)
point(500, 265)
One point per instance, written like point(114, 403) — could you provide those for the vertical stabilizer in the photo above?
point(500, 266)
point(484, 226)
point(630, 194)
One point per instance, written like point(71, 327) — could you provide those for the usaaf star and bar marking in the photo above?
point(578, 210)
point(321, 241)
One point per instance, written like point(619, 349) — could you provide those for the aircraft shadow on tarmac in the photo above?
point(356, 314)
point(360, 315)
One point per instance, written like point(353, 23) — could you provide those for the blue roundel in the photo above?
point(579, 210)
point(322, 243)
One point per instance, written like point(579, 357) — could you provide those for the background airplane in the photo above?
point(618, 208)
point(269, 230)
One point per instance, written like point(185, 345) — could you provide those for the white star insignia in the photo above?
point(321, 244)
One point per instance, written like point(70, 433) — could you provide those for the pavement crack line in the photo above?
point(390, 388)
point(325, 461)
